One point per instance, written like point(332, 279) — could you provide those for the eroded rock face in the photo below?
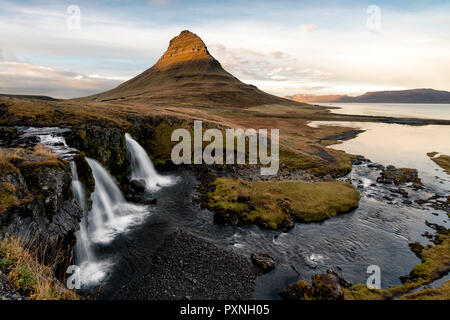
point(106, 144)
point(42, 210)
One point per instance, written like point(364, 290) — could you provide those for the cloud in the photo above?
point(276, 54)
point(26, 78)
point(308, 28)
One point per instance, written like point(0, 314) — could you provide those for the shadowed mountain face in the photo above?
point(187, 74)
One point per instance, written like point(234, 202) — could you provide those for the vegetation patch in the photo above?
point(443, 161)
point(277, 204)
point(28, 276)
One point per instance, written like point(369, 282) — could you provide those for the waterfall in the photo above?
point(83, 247)
point(142, 166)
point(111, 214)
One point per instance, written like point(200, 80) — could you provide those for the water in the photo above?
point(110, 216)
point(142, 167)
point(403, 110)
point(114, 252)
point(402, 146)
point(376, 233)
point(51, 137)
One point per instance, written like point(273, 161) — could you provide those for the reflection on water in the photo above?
point(403, 110)
point(402, 146)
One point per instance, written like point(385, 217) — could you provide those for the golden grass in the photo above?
point(28, 276)
point(443, 161)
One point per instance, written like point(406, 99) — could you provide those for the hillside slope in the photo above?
point(187, 74)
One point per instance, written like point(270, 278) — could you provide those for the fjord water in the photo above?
point(403, 146)
point(142, 167)
point(399, 110)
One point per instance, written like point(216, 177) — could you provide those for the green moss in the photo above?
point(272, 203)
point(440, 293)
point(24, 280)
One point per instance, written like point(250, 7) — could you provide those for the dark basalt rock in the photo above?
point(3, 111)
point(137, 185)
point(46, 216)
point(263, 261)
point(104, 143)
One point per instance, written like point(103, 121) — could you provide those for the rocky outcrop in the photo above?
point(105, 144)
point(397, 176)
point(38, 206)
point(324, 286)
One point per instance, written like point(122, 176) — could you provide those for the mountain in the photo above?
point(187, 74)
point(402, 96)
point(399, 96)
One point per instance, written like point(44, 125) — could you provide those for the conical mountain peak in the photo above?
point(184, 47)
point(187, 74)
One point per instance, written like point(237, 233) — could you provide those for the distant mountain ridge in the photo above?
point(397, 96)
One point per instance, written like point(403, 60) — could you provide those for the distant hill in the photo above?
point(399, 96)
point(187, 74)
point(27, 97)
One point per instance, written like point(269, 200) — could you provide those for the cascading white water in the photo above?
point(142, 167)
point(111, 214)
point(83, 247)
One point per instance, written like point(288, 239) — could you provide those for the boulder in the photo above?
point(137, 185)
point(263, 261)
point(399, 176)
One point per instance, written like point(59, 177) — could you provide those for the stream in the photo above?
point(117, 239)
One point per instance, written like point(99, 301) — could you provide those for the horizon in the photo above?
point(338, 48)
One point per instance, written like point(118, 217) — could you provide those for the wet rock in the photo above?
point(400, 191)
point(263, 261)
point(297, 291)
point(150, 201)
point(137, 185)
point(399, 176)
point(324, 286)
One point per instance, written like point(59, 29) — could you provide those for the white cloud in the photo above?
point(25, 78)
point(410, 51)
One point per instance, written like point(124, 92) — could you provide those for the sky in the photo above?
point(75, 48)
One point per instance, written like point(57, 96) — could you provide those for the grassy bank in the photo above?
point(29, 277)
point(274, 203)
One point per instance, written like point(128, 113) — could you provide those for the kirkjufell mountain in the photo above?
point(187, 74)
